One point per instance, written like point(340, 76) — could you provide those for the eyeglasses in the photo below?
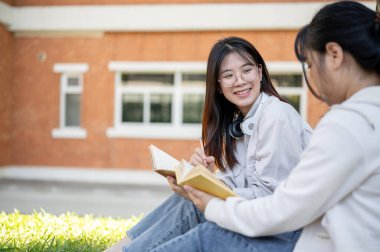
point(229, 78)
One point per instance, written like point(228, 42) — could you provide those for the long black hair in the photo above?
point(218, 112)
point(352, 25)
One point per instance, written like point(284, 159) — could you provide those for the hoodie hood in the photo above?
point(367, 96)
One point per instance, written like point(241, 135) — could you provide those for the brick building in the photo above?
point(91, 83)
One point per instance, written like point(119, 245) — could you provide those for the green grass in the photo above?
point(42, 231)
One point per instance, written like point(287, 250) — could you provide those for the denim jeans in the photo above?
point(171, 219)
point(210, 237)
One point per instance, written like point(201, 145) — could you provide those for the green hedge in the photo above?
point(42, 231)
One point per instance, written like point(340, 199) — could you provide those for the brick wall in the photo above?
point(10, 2)
point(6, 45)
point(315, 110)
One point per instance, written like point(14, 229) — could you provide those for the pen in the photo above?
point(201, 143)
point(203, 149)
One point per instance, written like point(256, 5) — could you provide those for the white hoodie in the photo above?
point(334, 191)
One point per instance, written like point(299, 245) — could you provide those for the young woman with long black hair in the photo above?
point(252, 139)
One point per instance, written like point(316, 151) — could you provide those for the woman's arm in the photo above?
point(322, 178)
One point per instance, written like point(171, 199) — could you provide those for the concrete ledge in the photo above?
point(82, 175)
point(161, 17)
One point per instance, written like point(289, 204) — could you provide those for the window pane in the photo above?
point(147, 79)
point(160, 108)
point(72, 115)
point(192, 108)
point(133, 108)
point(73, 81)
point(287, 80)
point(294, 100)
point(194, 80)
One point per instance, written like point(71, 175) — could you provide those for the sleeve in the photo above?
point(278, 149)
point(310, 190)
point(227, 177)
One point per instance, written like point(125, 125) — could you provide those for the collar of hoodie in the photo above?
point(359, 112)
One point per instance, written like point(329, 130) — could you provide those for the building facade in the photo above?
point(92, 83)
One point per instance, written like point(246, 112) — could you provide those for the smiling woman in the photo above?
point(250, 158)
point(239, 89)
point(241, 95)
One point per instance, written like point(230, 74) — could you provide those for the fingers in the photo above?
point(176, 188)
point(199, 198)
point(210, 159)
point(171, 180)
point(200, 152)
point(194, 193)
point(198, 157)
point(173, 184)
point(193, 196)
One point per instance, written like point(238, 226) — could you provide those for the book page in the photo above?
point(162, 162)
point(185, 168)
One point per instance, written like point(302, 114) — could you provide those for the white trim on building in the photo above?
point(82, 175)
point(6, 14)
point(162, 17)
point(70, 67)
point(69, 72)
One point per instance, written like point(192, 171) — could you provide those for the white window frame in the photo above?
point(176, 129)
point(291, 67)
point(67, 71)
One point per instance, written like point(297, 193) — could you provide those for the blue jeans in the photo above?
point(210, 237)
point(171, 219)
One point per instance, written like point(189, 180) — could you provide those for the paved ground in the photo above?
point(106, 199)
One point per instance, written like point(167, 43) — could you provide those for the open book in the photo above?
point(198, 176)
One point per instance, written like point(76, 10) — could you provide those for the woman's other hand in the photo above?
point(199, 198)
point(177, 188)
point(199, 158)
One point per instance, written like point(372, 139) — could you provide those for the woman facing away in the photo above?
point(334, 191)
point(249, 132)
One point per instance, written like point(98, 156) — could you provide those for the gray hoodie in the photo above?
point(266, 157)
point(333, 192)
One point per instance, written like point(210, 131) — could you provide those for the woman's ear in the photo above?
point(334, 55)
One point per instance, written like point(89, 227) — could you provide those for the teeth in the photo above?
point(242, 92)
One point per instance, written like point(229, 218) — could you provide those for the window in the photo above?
point(71, 87)
point(158, 100)
point(147, 97)
point(288, 81)
point(290, 87)
point(165, 99)
point(193, 102)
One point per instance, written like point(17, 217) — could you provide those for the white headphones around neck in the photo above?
point(242, 125)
